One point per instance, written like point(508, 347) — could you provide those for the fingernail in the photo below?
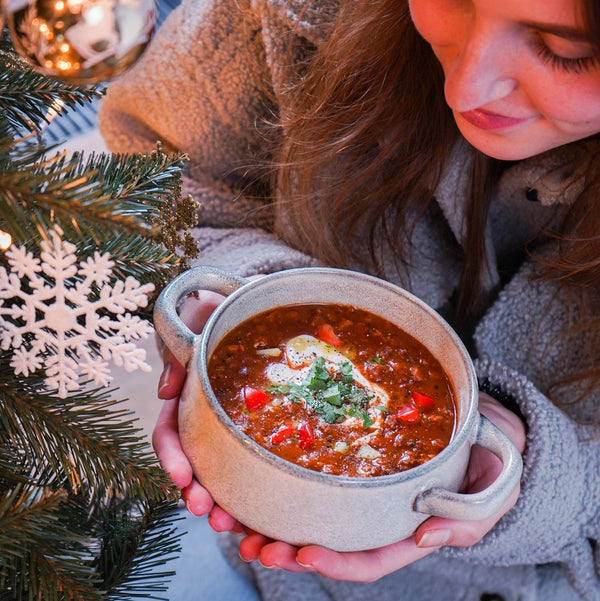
point(164, 378)
point(434, 538)
point(188, 506)
point(306, 566)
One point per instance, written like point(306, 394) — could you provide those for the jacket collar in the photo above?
point(557, 177)
point(553, 179)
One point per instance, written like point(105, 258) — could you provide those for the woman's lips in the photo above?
point(490, 121)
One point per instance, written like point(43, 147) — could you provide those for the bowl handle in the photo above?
point(480, 505)
point(174, 333)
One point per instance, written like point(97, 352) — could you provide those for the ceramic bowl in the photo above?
point(285, 501)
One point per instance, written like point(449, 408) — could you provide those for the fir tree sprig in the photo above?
point(85, 195)
point(43, 557)
point(84, 439)
point(86, 512)
point(79, 490)
point(144, 539)
point(58, 548)
point(133, 255)
point(126, 202)
point(26, 97)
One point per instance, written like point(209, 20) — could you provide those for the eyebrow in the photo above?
point(563, 31)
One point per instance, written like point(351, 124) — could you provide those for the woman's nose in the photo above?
point(482, 71)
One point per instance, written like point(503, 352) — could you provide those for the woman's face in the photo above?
point(521, 77)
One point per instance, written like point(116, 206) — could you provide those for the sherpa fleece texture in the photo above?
point(200, 88)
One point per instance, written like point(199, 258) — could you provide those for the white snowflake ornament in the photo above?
point(70, 322)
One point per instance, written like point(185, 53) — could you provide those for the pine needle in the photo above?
point(86, 512)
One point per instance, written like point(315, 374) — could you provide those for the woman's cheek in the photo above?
point(581, 118)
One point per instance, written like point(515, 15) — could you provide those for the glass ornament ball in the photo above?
point(80, 41)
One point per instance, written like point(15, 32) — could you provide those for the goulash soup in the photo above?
point(335, 389)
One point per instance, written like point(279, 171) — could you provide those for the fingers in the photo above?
point(437, 532)
point(195, 311)
point(271, 554)
point(165, 440)
point(197, 308)
point(505, 419)
point(361, 566)
point(165, 437)
point(221, 521)
point(197, 499)
point(251, 546)
point(281, 555)
point(172, 378)
point(484, 467)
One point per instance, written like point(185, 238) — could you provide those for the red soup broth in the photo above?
point(335, 389)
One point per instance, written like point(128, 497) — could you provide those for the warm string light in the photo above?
point(5, 240)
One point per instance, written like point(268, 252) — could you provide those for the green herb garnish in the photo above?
point(278, 389)
point(333, 396)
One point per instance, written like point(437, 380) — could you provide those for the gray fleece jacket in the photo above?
point(199, 88)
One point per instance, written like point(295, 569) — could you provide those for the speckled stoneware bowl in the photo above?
point(294, 504)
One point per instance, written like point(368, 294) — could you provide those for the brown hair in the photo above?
point(355, 138)
point(367, 132)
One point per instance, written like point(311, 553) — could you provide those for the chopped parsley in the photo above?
point(333, 396)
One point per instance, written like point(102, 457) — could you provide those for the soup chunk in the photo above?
point(335, 389)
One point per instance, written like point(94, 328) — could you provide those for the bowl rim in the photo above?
point(459, 437)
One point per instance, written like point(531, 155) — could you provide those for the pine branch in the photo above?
point(79, 490)
point(31, 150)
point(135, 256)
point(105, 192)
point(82, 439)
point(152, 537)
point(42, 556)
point(56, 548)
point(141, 178)
point(86, 513)
point(26, 96)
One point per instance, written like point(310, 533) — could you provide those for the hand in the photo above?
point(367, 566)
point(194, 313)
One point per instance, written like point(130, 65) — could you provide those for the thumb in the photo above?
point(172, 377)
point(439, 532)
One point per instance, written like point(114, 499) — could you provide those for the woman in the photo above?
point(450, 146)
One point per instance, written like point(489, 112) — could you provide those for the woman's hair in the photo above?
point(367, 134)
point(357, 138)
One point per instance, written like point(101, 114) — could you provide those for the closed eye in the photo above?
point(575, 65)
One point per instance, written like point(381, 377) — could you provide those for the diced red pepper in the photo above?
point(326, 334)
point(422, 400)
point(409, 414)
point(282, 434)
point(255, 398)
point(306, 435)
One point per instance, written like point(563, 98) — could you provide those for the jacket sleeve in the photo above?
point(557, 516)
point(203, 87)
